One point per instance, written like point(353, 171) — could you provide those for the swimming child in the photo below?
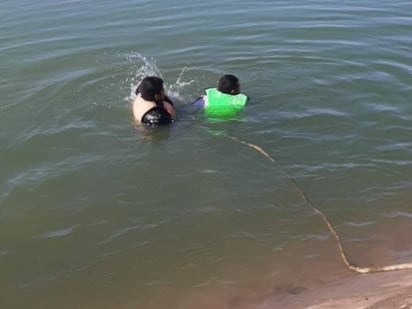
point(151, 105)
point(225, 100)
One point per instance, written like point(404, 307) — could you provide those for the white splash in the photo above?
point(144, 66)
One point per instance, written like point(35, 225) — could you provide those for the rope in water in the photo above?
point(350, 266)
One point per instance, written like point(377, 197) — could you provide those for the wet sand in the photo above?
point(388, 290)
point(371, 291)
point(319, 283)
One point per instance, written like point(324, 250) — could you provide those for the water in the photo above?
point(96, 213)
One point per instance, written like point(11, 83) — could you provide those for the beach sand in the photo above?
point(368, 291)
point(387, 290)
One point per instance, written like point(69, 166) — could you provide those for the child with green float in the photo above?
point(224, 101)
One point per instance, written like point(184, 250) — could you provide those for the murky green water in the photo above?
point(95, 213)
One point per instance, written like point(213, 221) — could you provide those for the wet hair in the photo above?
point(228, 83)
point(149, 87)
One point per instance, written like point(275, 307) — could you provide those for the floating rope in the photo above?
point(350, 266)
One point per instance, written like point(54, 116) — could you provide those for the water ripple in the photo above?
point(59, 233)
point(125, 230)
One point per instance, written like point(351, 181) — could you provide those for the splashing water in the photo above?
point(149, 67)
point(174, 90)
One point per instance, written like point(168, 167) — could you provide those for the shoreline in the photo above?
point(361, 291)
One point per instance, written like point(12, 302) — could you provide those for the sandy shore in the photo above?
point(371, 291)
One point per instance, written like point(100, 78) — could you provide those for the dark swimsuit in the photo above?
point(157, 115)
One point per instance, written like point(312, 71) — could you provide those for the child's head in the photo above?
point(229, 84)
point(151, 89)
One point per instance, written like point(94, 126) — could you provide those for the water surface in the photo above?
point(96, 213)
